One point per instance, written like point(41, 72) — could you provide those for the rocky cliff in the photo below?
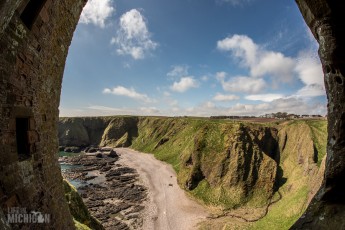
point(100, 131)
point(225, 163)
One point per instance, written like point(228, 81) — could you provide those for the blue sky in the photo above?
point(192, 57)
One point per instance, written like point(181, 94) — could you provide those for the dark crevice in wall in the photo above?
point(23, 147)
point(31, 12)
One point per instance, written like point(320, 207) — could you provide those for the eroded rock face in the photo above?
point(120, 132)
point(326, 20)
point(100, 131)
point(73, 133)
point(245, 167)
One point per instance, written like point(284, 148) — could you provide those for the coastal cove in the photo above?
point(132, 191)
point(247, 174)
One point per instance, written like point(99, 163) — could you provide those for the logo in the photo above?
point(18, 215)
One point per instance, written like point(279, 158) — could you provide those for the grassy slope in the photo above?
point(295, 191)
point(180, 135)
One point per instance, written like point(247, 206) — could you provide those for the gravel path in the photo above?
point(168, 207)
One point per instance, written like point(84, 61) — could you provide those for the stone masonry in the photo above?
point(34, 40)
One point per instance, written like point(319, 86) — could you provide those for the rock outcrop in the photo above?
point(78, 209)
point(120, 132)
point(100, 131)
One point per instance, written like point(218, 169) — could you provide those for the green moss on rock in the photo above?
point(78, 209)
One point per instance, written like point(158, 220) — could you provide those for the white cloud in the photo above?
point(97, 12)
point(225, 97)
point(149, 111)
point(178, 71)
point(133, 37)
point(235, 2)
point(204, 78)
point(264, 97)
point(99, 110)
point(184, 84)
point(260, 62)
point(221, 75)
point(289, 105)
point(310, 72)
point(242, 47)
point(128, 92)
point(242, 84)
point(275, 64)
point(166, 94)
point(313, 90)
point(104, 108)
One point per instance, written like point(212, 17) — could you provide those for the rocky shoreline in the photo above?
point(112, 192)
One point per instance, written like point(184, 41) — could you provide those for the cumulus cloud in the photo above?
point(264, 97)
point(309, 71)
point(128, 92)
point(97, 12)
point(241, 83)
point(225, 97)
point(178, 71)
point(133, 37)
point(184, 84)
point(313, 90)
point(275, 64)
point(260, 62)
point(241, 46)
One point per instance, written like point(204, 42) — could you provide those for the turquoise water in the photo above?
point(62, 154)
point(67, 167)
point(77, 183)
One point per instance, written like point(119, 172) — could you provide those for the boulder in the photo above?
point(72, 149)
point(113, 154)
point(61, 148)
point(92, 150)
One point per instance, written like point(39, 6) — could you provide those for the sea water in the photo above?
point(67, 167)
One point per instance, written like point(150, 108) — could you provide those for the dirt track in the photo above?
point(168, 207)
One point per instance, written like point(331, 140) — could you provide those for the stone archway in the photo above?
point(34, 40)
point(33, 50)
point(326, 19)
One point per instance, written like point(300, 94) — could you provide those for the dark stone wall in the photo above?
point(326, 19)
point(32, 60)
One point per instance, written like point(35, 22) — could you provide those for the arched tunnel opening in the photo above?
point(35, 37)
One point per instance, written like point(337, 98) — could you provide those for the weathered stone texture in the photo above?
point(326, 20)
point(31, 69)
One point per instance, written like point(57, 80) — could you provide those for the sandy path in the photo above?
point(168, 207)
